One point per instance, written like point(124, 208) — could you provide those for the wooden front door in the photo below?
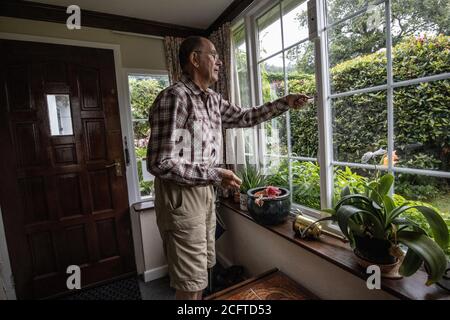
point(63, 192)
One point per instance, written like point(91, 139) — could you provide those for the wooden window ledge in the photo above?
point(340, 254)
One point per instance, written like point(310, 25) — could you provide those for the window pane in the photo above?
point(59, 114)
point(250, 145)
point(422, 125)
point(272, 78)
point(423, 190)
point(339, 9)
point(141, 134)
point(276, 136)
point(306, 183)
point(269, 32)
point(295, 21)
point(301, 79)
point(277, 172)
point(420, 38)
point(240, 58)
point(143, 91)
point(354, 178)
point(357, 52)
point(359, 126)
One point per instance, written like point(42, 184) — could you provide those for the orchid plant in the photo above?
point(373, 215)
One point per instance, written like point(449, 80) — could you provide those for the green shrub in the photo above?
point(422, 112)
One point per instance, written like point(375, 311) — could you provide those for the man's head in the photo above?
point(199, 58)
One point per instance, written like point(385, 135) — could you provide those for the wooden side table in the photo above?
point(271, 285)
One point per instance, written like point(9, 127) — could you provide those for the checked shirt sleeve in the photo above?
point(234, 116)
point(169, 112)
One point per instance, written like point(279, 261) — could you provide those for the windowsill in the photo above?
point(340, 254)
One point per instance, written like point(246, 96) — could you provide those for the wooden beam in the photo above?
point(52, 13)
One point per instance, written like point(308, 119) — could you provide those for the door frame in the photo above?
point(6, 276)
point(126, 72)
point(125, 124)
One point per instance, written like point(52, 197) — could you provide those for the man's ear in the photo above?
point(193, 59)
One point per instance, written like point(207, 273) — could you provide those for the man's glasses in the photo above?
point(215, 55)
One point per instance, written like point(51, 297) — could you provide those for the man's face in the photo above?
point(208, 62)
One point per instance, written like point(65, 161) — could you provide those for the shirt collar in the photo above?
point(186, 79)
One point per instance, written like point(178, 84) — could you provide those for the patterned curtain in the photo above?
point(172, 47)
point(222, 41)
point(221, 38)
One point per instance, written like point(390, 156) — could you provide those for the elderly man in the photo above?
point(184, 194)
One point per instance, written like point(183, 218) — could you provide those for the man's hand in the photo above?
point(297, 101)
point(229, 179)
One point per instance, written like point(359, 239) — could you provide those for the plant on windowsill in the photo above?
point(374, 225)
point(251, 178)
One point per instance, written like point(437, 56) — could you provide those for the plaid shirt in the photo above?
point(202, 115)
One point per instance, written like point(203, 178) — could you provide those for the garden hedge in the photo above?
point(421, 111)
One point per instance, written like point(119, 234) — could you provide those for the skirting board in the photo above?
point(155, 273)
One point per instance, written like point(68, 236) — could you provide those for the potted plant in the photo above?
point(269, 205)
point(251, 178)
point(374, 225)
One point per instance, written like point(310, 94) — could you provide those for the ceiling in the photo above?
point(190, 13)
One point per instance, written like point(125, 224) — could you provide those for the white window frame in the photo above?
point(131, 150)
point(324, 96)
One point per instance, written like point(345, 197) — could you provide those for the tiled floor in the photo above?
point(158, 289)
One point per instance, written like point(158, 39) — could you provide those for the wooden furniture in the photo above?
point(271, 285)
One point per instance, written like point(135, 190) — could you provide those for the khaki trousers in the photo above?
point(186, 220)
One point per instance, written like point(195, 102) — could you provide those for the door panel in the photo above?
point(63, 196)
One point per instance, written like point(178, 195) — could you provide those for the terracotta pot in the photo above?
point(390, 271)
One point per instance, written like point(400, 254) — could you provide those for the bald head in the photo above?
point(199, 59)
point(188, 46)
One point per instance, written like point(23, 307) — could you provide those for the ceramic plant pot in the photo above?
point(269, 211)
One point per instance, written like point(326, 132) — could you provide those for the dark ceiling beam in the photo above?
point(231, 12)
point(52, 13)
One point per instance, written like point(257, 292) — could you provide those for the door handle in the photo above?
point(118, 167)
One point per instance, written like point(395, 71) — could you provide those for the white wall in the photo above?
point(148, 247)
point(137, 52)
point(258, 250)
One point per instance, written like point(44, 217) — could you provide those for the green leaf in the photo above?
point(346, 212)
point(403, 222)
point(345, 192)
point(428, 251)
point(389, 204)
point(385, 184)
point(352, 197)
point(411, 263)
point(437, 224)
